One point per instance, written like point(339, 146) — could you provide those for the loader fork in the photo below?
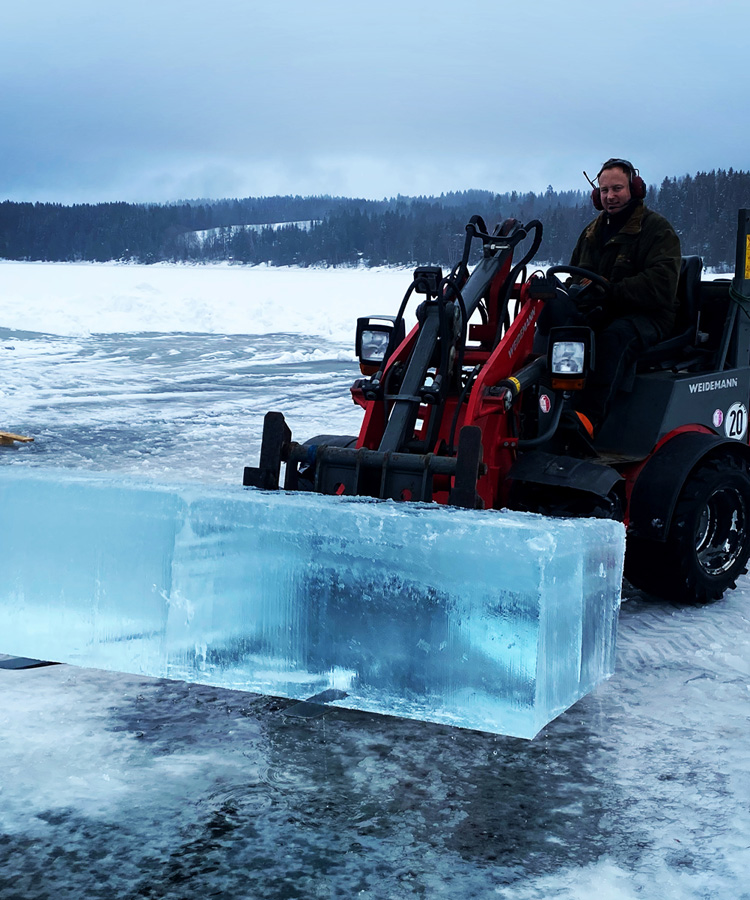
point(370, 473)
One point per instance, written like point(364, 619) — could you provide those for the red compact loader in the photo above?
point(460, 411)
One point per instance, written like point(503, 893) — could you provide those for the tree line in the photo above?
point(337, 231)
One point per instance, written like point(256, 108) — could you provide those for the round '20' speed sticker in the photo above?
point(735, 423)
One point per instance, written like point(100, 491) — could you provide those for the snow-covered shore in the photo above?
point(77, 299)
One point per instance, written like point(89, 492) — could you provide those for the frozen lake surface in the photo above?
point(168, 370)
point(119, 786)
point(181, 406)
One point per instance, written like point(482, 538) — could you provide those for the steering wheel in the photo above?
point(578, 272)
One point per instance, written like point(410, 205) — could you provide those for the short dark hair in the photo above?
point(618, 163)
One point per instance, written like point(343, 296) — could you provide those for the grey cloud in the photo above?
point(164, 100)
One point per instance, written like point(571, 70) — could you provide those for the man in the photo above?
point(637, 251)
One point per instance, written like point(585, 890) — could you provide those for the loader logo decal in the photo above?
point(521, 333)
point(717, 384)
point(735, 424)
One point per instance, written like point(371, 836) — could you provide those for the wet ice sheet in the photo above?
point(119, 786)
point(177, 406)
point(169, 370)
point(486, 620)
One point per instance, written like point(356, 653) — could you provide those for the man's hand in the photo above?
point(588, 295)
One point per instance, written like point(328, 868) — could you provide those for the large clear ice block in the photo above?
point(489, 620)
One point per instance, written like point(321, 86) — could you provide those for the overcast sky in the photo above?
point(154, 100)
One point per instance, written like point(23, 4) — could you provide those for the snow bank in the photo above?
point(81, 299)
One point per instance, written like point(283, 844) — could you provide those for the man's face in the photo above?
point(614, 187)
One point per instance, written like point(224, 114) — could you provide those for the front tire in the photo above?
point(306, 481)
point(708, 544)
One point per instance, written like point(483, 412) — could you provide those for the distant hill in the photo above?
point(338, 231)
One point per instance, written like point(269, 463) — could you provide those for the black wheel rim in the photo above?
point(721, 531)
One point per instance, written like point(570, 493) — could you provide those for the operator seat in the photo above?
point(683, 349)
point(686, 326)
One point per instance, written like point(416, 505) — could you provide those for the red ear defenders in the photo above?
point(637, 184)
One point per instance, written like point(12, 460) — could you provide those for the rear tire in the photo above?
point(708, 544)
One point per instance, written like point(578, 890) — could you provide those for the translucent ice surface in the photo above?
point(485, 620)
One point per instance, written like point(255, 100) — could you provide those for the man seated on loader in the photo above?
point(638, 253)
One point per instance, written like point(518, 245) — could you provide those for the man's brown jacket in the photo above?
point(643, 263)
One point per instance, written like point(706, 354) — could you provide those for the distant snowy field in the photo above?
point(89, 298)
point(117, 786)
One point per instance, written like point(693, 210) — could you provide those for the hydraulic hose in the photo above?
point(519, 267)
point(389, 350)
point(542, 438)
point(461, 400)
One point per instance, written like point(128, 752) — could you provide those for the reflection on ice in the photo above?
point(484, 620)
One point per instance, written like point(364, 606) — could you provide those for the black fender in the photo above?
point(570, 472)
point(657, 487)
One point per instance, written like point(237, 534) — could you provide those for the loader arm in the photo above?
point(416, 394)
point(411, 397)
point(415, 404)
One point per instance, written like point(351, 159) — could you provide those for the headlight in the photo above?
point(373, 336)
point(568, 357)
point(374, 345)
